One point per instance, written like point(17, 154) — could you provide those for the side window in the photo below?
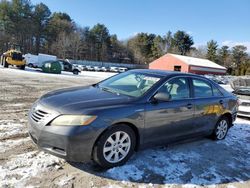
point(178, 88)
point(216, 92)
point(202, 88)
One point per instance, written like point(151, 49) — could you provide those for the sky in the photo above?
point(226, 21)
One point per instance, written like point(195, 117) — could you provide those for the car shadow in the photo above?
point(200, 162)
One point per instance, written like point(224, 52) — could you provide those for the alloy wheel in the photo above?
point(221, 130)
point(117, 147)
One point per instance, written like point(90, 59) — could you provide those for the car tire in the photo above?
point(115, 146)
point(76, 72)
point(5, 63)
point(22, 67)
point(221, 129)
point(30, 65)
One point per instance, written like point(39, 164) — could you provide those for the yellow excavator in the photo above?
point(13, 57)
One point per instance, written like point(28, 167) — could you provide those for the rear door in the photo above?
point(169, 120)
point(208, 104)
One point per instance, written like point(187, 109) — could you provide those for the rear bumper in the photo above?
point(70, 143)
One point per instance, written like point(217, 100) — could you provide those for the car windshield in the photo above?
point(132, 84)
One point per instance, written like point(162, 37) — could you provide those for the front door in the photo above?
point(170, 120)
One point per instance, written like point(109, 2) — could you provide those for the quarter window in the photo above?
point(177, 88)
point(202, 88)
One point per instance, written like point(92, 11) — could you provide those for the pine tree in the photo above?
point(211, 50)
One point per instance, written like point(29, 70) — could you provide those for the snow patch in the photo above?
point(17, 171)
point(8, 128)
point(125, 172)
point(64, 180)
point(9, 144)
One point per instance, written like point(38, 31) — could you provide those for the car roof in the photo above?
point(164, 73)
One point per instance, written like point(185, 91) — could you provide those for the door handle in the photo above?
point(221, 101)
point(189, 106)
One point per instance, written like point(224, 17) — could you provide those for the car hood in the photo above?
point(75, 100)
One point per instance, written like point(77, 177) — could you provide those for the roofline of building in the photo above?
point(222, 68)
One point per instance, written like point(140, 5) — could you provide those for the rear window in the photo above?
point(202, 88)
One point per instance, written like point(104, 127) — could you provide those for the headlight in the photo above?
point(73, 120)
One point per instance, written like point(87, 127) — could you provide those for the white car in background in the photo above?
point(97, 68)
point(104, 69)
point(244, 98)
point(241, 88)
point(113, 69)
point(122, 69)
point(89, 68)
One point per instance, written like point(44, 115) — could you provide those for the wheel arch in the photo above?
point(228, 115)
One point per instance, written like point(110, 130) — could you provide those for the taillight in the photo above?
point(238, 102)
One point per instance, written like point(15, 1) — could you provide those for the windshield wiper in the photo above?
point(109, 90)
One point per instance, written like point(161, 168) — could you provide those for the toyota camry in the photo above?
point(108, 121)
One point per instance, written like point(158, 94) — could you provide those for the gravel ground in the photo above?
point(192, 164)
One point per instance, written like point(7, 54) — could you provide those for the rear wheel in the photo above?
point(221, 129)
point(115, 146)
point(76, 72)
point(22, 67)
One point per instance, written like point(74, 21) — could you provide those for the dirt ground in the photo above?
point(194, 164)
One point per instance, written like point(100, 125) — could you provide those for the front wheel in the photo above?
point(30, 65)
point(5, 63)
point(221, 129)
point(115, 146)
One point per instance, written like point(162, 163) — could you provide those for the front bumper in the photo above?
point(70, 143)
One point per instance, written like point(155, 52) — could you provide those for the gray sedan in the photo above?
point(108, 121)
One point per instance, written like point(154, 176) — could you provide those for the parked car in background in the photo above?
point(122, 69)
point(104, 69)
point(218, 81)
point(82, 67)
point(113, 69)
point(108, 121)
point(89, 68)
point(241, 87)
point(222, 80)
point(97, 68)
point(67, 66)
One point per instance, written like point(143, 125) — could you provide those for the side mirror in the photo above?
point(161, 96)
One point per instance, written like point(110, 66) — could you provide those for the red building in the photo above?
point(182, 63)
